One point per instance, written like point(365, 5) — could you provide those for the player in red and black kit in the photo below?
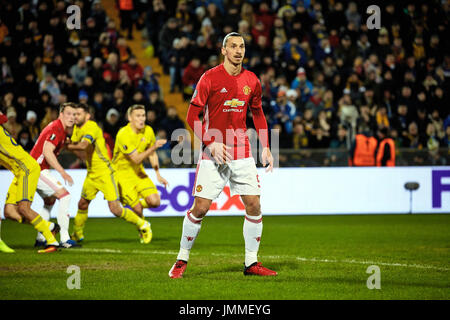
point(45, 151)
point(224, 94)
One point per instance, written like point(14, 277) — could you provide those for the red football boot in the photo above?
point(258, 270)
point(178, 269)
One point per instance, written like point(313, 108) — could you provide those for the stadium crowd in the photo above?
point(325, 75)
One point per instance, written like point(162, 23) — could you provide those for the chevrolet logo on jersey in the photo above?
point(233, 103)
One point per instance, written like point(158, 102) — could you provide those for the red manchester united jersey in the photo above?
point(54, 133)
point(225, 99)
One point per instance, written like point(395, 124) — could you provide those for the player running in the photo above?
point(224, 93)
point(88, 137)
point(134, 143)
point(21, 191)
point(45, 151)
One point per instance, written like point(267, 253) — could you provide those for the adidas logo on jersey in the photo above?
point(223, 90)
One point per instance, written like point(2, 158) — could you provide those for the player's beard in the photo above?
point(235, 61)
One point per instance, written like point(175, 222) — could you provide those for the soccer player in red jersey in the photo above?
point(45, 151)
point(223, 94)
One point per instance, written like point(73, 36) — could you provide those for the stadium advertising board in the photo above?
point(294, 191)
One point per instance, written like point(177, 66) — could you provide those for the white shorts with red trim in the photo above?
point(48, 184)
point(211, 178)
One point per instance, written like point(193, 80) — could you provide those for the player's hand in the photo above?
point(159, 143)
point(267, 158)
point(220, 152)
point(162, 181)
point(67, 178)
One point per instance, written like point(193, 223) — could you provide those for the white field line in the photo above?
point(349, 261)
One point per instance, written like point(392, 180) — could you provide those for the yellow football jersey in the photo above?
point(25, 169)
point(12, 155)
point(127, 142)
point(97, 157)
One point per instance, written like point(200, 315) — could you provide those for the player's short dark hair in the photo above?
point(135, 107)
point(231, 34)
point(65, 105)
point(83, 106)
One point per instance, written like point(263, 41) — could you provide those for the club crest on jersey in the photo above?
point(233, 103)
point(247, 90)
point(199, 188)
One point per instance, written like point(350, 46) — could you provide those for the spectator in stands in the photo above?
point(149, 82)
point(120, 102)
point(112, 123)
point(191, 75)
point(79, 71)
point(412, 138)
point(50, 85)
point(284, 111)
point(156, 104)
point(169, 32)
point(24, 139)
point(134, 70)
point(12, 125)
point(172, 122)
point(126, 9)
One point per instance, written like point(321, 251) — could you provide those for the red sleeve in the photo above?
point(198, 101)
point(259, 119)
point(55, 137)
point(201, 93)
point(3, 118)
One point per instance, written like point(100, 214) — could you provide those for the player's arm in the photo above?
point(78, 146)
point(50, 157)
point(218, 150)
point(138, 157)
point(3, 118)
point(154, 161)
point(259, 120)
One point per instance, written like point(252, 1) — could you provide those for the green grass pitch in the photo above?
point(317, 257)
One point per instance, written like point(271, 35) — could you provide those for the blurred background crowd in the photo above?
point(325, 75)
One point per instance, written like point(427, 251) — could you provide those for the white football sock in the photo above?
point(252, 236)
point(45, 214)
point(191, 228)
point(64, 217)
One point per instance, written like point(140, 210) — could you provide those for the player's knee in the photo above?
point(23, 209)
point(9, 212)
point(253, 208)
point(49, 201)
point(153, 202)
point(200, 210)
point(115, 208)
point(83, 204)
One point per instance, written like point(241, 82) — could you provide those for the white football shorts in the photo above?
point(211, 178)
point(48, 184)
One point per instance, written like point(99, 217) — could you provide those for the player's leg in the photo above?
point(49, 202)
point(3, 247)
point(88, 193)
point(49, 187)
point(252, 229)
point(192, 224)
point(209, 182)
point(130, 197)
point(40, 225)
point(80, 220)
point(63, 216)
point(245, 182)
point(10, 210)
